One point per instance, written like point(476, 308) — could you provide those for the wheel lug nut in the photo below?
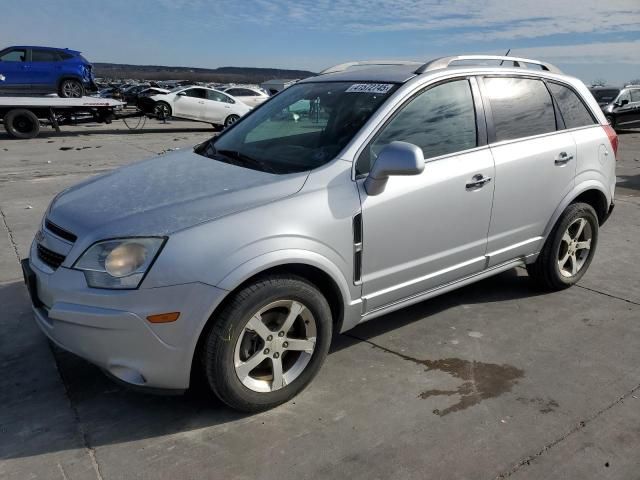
point(269, 338)
point(276, 355)
point(285, 344)
point(281, 334)
point(266, 351)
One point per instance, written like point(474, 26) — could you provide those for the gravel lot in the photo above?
point(491, 381)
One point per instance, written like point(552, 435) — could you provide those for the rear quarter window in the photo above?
point(521, 107)
point(572, 109)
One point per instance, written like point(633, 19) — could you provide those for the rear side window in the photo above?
point(440, 120)
point(44, 56)
point(573, 111)
point(521, 107)
point(218, 97)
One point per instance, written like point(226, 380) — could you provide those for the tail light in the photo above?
point(613, 139)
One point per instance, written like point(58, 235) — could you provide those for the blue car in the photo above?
point(45, 70)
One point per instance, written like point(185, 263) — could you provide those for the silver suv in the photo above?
point(357, 192)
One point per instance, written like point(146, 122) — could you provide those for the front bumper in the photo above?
point(109, 327)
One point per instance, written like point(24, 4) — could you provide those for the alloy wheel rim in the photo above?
point(231, 120)
point(575, 247)
point(72, 90)
point(162, 110)
point(275, 345)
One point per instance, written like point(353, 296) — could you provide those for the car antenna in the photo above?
point(506, 55)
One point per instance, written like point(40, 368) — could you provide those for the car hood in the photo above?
point(165, 194)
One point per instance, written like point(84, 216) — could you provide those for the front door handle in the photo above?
point(477, 181)
point(563, 158)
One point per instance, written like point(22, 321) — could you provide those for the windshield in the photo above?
point(301, 128)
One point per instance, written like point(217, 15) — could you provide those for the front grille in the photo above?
point(51, 258)
point(59, 231)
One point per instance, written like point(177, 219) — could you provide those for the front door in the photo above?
point(191, 104)
point(628, 115)
point(14, 69)
point(431, 229)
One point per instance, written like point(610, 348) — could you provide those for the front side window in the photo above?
point(624, 95)
point(521, 107)
point(440, 120)
point(303, 128)
point(635, 95)
point(196, 92)
point(17, 55)
point(573, 111)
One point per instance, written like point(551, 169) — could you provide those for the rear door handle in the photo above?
point(563, 158)
point(477, 181)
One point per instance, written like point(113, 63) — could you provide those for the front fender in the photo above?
point(285, 257)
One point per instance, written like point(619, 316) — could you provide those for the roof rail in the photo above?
point(346, 66)
point(445, 62)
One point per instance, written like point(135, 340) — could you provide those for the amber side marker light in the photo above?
point(164, 317)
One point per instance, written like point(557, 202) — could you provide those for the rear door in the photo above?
point(217, 107)
point(535, 163)
point(14, 69)
point(45, 66)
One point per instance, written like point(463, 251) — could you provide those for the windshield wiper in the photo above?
point(246, 160)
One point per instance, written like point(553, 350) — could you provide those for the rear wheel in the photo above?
point(569, 250)
point(20, 123)
point(268, 343)
point(70, 88)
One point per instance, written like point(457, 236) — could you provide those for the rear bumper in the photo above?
point(109, 328)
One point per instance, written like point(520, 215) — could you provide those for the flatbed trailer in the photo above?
point(22, 116)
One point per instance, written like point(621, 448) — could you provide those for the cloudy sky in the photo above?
point(592, 39)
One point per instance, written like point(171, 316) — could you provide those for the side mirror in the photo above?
point(397, 158)
point(182, 94)
point(624, 102)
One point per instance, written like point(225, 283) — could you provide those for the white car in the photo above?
point(201, 104)
point(250, 96)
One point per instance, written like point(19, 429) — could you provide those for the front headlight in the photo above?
point(120, 263)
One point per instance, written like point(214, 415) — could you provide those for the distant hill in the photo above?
point(222, 74)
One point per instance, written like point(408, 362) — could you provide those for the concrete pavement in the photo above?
point(494, 380)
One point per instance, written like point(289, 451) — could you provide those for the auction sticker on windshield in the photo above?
point(369, 88)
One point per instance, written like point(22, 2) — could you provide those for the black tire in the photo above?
point(21, 123)
point(219, 346)
point(545, 271)
point(70, 88)
point(230, 120)
point(162, 110)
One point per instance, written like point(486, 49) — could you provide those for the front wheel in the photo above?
point(162, 110)
point(70, 88)
point(569, 250)
point(268, 343)
point(230, 120)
